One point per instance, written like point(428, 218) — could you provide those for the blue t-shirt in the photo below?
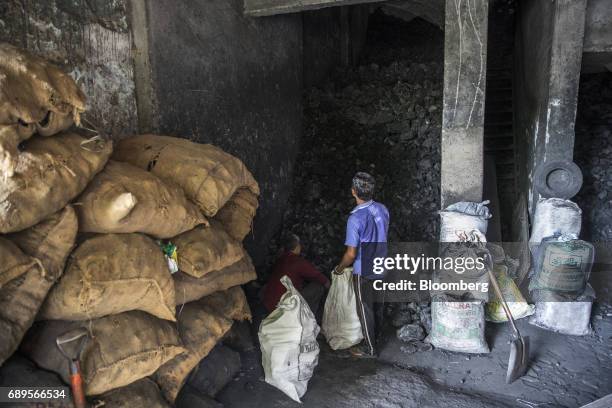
point(368, 222)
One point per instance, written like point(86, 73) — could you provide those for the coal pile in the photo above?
point(382, 120)
point(594, 155)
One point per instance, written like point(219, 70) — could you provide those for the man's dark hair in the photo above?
point(290, 242)
point(364, 185)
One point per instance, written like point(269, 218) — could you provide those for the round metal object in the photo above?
point(561, 179)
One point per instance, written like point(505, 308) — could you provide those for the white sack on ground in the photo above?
point(564, 314)
point(289, 348)
point(457, 325)
point(341, 325)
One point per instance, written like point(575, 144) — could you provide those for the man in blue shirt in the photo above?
point(368, 224)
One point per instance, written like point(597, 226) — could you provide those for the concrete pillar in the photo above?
point(465, 67)
point(548, 57)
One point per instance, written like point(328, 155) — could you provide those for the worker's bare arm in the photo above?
point(347, 259)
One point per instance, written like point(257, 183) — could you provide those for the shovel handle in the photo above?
point(76, 385)
point(499, 294)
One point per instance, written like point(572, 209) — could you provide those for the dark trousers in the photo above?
point(369, 310)
point(313, 293)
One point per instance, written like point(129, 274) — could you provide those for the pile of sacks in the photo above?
point(87, 228)
point(458, 318)
point(561, 267)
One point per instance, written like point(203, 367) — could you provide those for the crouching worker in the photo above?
point(306, 278)
point(368, 224)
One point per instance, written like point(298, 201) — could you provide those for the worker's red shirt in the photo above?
point(298, 269)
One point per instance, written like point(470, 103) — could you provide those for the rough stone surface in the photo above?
point(384, 119)
point(411, 332)
point(90, 39)
point(593, 154)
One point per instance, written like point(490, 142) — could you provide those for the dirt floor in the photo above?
point(564, 372)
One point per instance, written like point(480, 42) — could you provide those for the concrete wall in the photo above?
point(88, 38)
point(234, 81)
point(548, 52)
point(332, 37)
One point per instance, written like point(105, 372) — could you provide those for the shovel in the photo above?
point(519, 345)
point(80, 336)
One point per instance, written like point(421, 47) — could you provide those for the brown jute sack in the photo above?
point(188, 288)
point(31, 87)
point(237, 214)
point(123, 348)
point(110, 274)
point(208, 175)
point(15, 263)
point(10, 137)
point(206, 249)
point(140, 394)
point(124, 198)
point(201, 325)
point(231, 303)
point(50, 242)
point(50, 173)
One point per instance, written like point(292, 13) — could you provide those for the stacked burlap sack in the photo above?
point(561, 266)
point(458, 317)
point(86, 230)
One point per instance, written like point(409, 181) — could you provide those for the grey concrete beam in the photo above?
point(465, 66)
point(260, 8)
point(143, 84)
point(556, 141)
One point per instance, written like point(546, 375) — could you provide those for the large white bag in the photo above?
point(554, 216)
point(289, 348)
point(459, 219)
point(341, 325)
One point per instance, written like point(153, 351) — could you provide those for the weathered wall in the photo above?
point(321, 52)
point(548, 52)
point(332, 37)
point(220, 77)
point(88, 38)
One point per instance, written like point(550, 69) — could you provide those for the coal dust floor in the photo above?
point(564, 372)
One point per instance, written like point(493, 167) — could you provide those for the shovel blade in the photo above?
point(519, 359)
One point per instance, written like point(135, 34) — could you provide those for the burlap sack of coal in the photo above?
point(35, 95)
point(140, 394)
point(50, 173)
point(231, 303)
point(31, 87)
point(10, 137)
point(201, 325)
point(50, 242)
point(123, 198)
point(206, 249)
point(109, 274)
point(237, 214)
point(14, 262)
point(122, 348)
point(188, 288)
point(208, 175)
